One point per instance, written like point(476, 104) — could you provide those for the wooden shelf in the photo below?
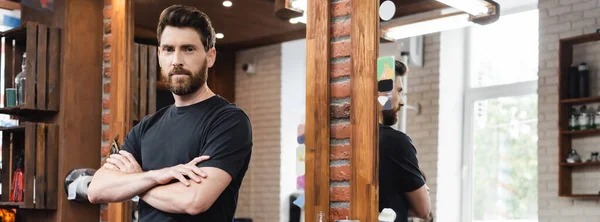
point(565, 140)
point(581, 100)
point(12, 128)
point(586, 132)
point(42, 45)
point(12, 204)
point(38, 144)
point(580, 164)
point(582, 195)
point(19, 111)
point(581, 39)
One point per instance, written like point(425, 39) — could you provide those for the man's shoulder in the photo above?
point(230, 112)
point(390, 133)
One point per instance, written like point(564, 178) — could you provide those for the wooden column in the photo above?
point(341, 138)
point(81, 94)
point(317, 109)
point(121, 58)
point(365, 132)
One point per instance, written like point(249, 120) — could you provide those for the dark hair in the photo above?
point(187, 17)
point(401, 68)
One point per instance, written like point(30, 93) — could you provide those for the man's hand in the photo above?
point(124, 162)
point(178, 172)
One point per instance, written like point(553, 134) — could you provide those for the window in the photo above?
point(500, 154)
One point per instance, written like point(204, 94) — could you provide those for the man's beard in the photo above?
point(389, 117)
point(185, 85)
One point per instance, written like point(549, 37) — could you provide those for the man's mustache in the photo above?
point(179, 71)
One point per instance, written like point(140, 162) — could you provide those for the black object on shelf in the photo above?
point(573, 80)
point(584, 80)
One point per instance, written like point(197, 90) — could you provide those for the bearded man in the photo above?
point(187, 161)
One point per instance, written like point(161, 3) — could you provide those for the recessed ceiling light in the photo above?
point(227, 3)
point(220, 35)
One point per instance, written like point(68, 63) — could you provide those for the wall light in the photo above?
point(473, 12)
point(473, 7)
point(227, 3)
point(423, 27)
point(220, 35)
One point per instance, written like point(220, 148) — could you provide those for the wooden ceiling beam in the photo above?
point(9, 5)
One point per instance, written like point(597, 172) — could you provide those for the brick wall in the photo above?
point(259, 94)
point(106, 118)
point(340, 110)
point(561, 19)
point(423, 88)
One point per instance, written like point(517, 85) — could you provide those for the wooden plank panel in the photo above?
point(317, 109)
point(40, 166)
point(9, 75)
point(135, 83)
point(152, 68)
point(364, 37)
point(52, 166)
point(31, 65)
point(19, 49)
point(30, 161)
point(6, 168)
point(42, 47)
point(143, 58)
point(54, 54)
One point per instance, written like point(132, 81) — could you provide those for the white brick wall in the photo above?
point(259, 95)
point(561, 19)
point(423, 88)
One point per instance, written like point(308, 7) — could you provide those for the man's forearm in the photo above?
point(114, 186)
point(173, 198)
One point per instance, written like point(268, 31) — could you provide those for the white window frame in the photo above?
point(473, 94)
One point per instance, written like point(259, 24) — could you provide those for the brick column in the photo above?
point(106, 118)
point(340, 109)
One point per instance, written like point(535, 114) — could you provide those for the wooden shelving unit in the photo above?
point(35, 142)
point(565, 170)
point(583, 164)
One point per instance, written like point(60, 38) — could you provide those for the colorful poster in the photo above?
point(300, 158)
point(385, 80)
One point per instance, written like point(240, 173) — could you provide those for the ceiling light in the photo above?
point(227, 3)
point(220, 35)
point(447, 22)
point(473, 7)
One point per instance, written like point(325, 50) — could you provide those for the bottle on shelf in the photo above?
point(597, 118)
point(591, 118)
point(20, 82)
point(584, 80)
point(573, 82)
point(583, 118)
point(573, 121)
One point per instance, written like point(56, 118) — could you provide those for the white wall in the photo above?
point(293, 105)
point(452, 75)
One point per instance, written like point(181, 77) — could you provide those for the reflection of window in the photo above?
point(501, 121)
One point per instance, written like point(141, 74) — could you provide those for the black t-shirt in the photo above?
point(398, 171)
point(176, 135)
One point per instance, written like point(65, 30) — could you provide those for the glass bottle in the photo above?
point(573, 120)
point(597, 117)
point(20, 82)
point(583, 118)
point(591, 118)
